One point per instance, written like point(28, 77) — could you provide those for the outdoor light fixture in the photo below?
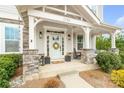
point(40, 35)
point(69, 37)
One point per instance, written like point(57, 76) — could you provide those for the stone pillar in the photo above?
point(25, 38)
point(30, 64)
point(88, 56)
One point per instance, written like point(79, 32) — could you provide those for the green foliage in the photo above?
point(4, 83)
point(16, 58)
point(103, 43)
point(108, 61)
point(122, 66)
point(120, 42)
point(122, 56)
point(8, 65)
point(3, 74)
point(117, 77)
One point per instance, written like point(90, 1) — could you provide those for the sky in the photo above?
point(114, 14)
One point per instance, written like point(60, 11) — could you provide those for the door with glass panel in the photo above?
point(55, 48)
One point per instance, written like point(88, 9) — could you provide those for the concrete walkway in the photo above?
point(73, 80)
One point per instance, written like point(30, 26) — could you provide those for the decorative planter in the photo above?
point(47, 60)
point(67, 58)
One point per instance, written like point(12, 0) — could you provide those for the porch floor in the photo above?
point(56, 69)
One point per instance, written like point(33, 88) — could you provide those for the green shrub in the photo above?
point(8, 65)
point(117, 77)
point(16, 58)
point(122, 56)
point(3, 74)
point(108, 61)
point(122, 66)
point(4, 83)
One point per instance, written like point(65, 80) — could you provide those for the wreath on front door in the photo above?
point(55, 45)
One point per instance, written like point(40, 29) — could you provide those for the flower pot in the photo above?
point(47, 60)
point(67, 58)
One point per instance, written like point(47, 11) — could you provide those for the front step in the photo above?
point(73, 80)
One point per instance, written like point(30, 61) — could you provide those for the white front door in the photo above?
point(56, 45)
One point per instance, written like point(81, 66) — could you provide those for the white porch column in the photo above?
point(86, 37)
point(72, 40)
point(94, 42)
point(113, 44)
point(31, 33)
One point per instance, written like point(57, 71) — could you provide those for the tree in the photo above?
point(104, 43)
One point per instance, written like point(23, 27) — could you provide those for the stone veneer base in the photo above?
point(30, 64)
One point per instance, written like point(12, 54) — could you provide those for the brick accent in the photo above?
point(25, 38)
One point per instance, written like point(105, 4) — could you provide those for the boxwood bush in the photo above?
point(4, 83)
point(108, 61)
point(8, 65)
point(122, 56)
point(3, 74)
point(16, 58)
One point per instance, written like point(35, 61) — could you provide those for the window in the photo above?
point(11, 39)
point(79, 42)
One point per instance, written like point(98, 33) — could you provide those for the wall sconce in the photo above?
point(40, 35)
point(69, 37)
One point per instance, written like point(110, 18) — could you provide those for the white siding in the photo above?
point(9, 11)
point(39, 42)
point(2, 38)
point(68, 42)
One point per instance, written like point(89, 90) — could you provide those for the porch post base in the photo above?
point(30, 64)
point(88, 56)
point(114, 50)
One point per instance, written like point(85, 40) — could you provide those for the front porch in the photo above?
point(56, 69)
point(55, 31)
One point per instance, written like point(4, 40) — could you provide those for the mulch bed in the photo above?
point(57, 62)
point(98, 79)
point(19, 72)
point(39, 83)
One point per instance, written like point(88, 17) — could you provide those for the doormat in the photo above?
point(57, 62)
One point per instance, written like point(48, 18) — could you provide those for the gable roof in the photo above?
point(85, 12)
